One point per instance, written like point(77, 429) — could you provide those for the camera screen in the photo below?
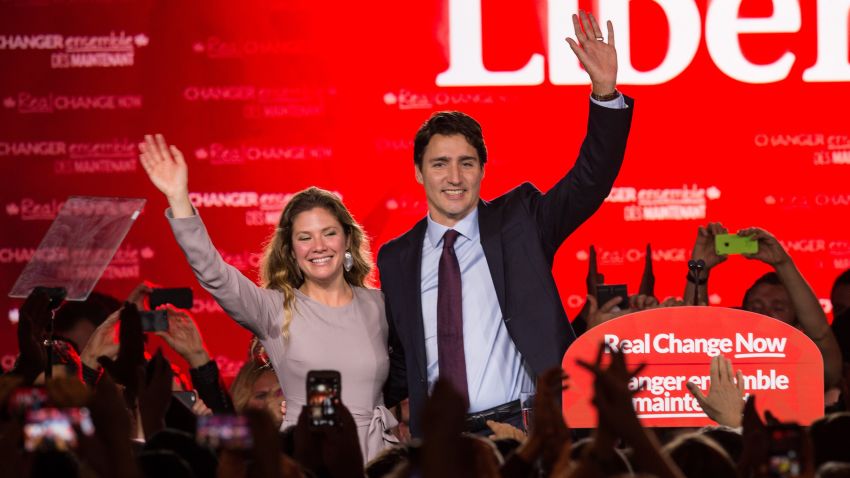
point(224, 431)
point(323, 399)
point(25, 399)
point(785, 446)
point(154, 321)
point(53, 427)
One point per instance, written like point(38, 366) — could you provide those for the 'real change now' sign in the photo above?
point(781, 366)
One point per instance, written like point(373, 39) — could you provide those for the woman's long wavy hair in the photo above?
point(279, 269)
point(243, 384)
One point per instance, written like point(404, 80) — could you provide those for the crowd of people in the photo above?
point(141, 429)
point(422, 377)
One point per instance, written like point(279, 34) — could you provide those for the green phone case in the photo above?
point(734, 244)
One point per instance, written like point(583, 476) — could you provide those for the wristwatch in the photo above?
point(608, 97)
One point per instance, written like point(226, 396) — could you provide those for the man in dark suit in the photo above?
point(469, 290)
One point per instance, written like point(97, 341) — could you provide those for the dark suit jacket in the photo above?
point(520, 233)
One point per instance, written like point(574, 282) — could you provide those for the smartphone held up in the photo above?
point(725, 244)
point(56, 428)
point(324, 392)
point(785, 450)
point(606, 292)
point(230, 432)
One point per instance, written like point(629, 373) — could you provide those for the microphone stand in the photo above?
point(694, 268)
point(56, 295)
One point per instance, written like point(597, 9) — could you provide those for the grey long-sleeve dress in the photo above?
point(351, 339)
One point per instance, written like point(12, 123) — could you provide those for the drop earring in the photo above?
point(348, 261)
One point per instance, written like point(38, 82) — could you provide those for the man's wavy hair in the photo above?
point(448, 123)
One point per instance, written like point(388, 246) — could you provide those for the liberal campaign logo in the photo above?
point(406, 99)
point(26, 102)
point(221, 154)
point(29, 209)
point(216, 48)
point(265, 102)
point(113, 50)
point(664, 204)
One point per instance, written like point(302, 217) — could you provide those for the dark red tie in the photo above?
point(450, 353)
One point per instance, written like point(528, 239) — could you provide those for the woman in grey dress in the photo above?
point(314, 311)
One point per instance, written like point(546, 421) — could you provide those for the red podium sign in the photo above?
point(780, 364)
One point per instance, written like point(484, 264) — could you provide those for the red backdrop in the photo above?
point(268, 97)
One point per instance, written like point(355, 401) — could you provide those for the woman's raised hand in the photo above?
point(167, 170)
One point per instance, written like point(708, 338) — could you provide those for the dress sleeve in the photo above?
point(253, 307)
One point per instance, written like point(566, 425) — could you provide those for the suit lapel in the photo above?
point(411, 260)
point(490, 227)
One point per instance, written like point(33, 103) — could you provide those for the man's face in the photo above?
point(771, 300)
point(451, 174)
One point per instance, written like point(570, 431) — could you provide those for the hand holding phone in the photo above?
point(180, 297)
point(157, 320)
point(187, 398)
point(725, 244)
point(324, 392)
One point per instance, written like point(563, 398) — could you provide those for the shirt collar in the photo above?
point(467, 227)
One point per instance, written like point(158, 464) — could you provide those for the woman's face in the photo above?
point(267, 394)
point(319, 243)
